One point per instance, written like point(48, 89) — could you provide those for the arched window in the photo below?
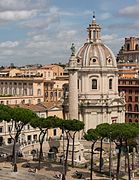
point(129, 107)
point(136, 108)
point(78, 83)
point(130, 120)
point(130, 99)
point(136, 121)
point(51, 95)
point(59, 94)
point(94, 34)
point(38, 101)
point(23, 102)
point(94, 84)
point(110, 83)
point(39, 92)
point(136, 47)
point(128, 47)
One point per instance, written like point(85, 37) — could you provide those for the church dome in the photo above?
point(94, 52)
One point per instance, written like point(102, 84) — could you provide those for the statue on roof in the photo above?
point(72, 49)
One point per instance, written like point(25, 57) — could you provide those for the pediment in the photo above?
point(117, 101)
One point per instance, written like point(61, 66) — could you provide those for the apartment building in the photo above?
point(129, 52)
point(39, 90)
point(30, 134)
point(31, 85)
point(19, 90)
point(128, 65)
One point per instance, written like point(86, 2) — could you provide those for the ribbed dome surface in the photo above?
point(95, 54)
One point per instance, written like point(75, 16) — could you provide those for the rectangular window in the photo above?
point(9, 128)
point(5, 90)
point(48, 73)
point(46, 86)
point(35, 136)
point(28, 127)
point(136, 91)
point(136, 98)
point(29, 137)
point(1, 90)
point(54, 132)
point(59, 94)
point(1, 129)
point(78, 83)
point(130, 115)
point(94, 84)
point(130, 99)
point(9, 140)
point(110, 83)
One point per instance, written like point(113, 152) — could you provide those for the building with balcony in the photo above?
point(129, 85)
point(128, 66)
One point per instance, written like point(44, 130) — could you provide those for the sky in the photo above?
point(42, 31)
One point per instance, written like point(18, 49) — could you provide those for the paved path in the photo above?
point(47, 172)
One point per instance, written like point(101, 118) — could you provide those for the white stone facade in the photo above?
point(97, 83)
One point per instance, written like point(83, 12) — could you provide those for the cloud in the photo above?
point(132, 10)
point(16, 15)
point(111, 38)
point(122, 25)
point(105, 15)
point(13, 10)
point(40, 23)
point(47, 32)
point(113, 41)
point(62, 12)
point(125, 26)
point(9, 44)
point(67, 34)
point(42, 48)
point(7, 5)
point(6, 52)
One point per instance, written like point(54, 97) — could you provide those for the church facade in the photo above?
point(92, 96)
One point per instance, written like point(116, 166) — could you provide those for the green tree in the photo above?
point(5, 113)
point(92, 135)
point(71, 127)
point(76, 126)
point(44, 124)
point(18, 117)
point(121, 134)
point(104, 132)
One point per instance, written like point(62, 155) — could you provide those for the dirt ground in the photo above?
point(51, 169)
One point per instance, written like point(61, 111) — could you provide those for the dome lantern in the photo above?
point(94, 31)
